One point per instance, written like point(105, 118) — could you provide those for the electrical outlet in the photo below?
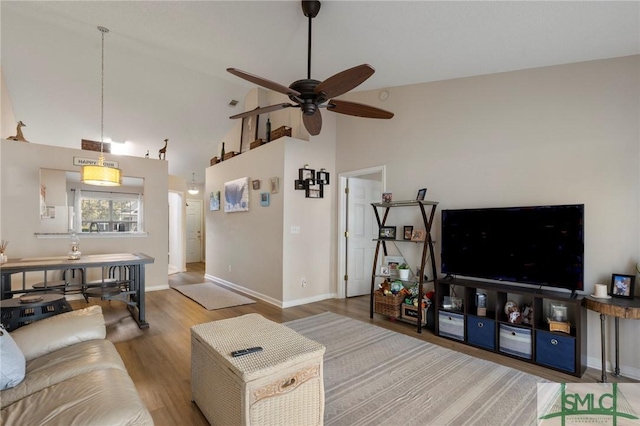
point(229, 268)
point(303, 282)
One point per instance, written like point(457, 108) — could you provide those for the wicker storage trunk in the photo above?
point(281, 385)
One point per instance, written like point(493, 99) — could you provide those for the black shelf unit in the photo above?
point(427, 210)
point(534, 342)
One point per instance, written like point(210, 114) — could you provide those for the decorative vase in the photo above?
point(403, 274)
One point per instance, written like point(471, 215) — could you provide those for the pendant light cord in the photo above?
point(103, 30)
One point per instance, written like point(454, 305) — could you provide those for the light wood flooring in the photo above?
point(159, 358)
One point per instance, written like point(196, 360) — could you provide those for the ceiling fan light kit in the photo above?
point(310, 95)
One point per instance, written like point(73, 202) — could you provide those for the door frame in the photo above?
point(342, 220)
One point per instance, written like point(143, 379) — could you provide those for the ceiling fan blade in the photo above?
point(263, 110)
point(264, 82)
point(344, 81)
point(313, 122)
point(358, 110)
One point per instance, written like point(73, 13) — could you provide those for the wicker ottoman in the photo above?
point(280, 385)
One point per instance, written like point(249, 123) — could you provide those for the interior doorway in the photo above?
point(176, 247)
point(194, 230)
point(358, 228)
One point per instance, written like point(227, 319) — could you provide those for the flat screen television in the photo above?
point(538, 245)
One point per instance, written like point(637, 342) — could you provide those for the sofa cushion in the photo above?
point(63, 364)
point(101, 397)
point(12, 362)
point(57, 332)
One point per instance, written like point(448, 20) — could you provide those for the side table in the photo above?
point(617, 308)
point(15, 314)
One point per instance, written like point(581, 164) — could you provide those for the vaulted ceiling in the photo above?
point(165, 61)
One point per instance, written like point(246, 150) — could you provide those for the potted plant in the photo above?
point(403, 271)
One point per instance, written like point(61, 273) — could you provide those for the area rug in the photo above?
point(212, 297)
point(374, 376)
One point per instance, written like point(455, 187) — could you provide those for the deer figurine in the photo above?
point(19, 136)
point(162, 153)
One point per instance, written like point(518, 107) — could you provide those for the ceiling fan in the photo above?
point(310, 95)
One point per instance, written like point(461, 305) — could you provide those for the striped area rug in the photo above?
point(374, 376)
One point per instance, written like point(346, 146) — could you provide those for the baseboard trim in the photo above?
point(317, 298)
point(625, 370)
point(244, 290)
point(268, 299)
point(157, 288)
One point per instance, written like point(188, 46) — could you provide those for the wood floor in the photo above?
point(158, 358)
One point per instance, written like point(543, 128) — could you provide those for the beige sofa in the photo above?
point(73, 376)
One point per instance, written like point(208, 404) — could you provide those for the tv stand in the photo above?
point(458, 318)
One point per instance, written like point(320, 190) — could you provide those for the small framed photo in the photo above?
point(384, 270)
point(393, 262)
point(387, 197)
point(408, 232)
point(421, 194)
point(314, 190)
point(264, 199)
point(623, 286)
point(418, 235)
point(300, 185)
point(275, 185)
point(387, 233)
point(214, 201)
point(306, 174)
point(323, 177)
point(255, 184)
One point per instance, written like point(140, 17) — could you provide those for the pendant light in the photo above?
point(194, 189)
point(99, 174)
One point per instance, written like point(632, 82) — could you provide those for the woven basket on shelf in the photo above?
point(389, 305)
point(280, 132)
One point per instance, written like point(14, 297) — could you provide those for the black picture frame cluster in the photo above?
point(312, 182)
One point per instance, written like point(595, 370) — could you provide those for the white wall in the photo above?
point(556, 135)
point(20, 213)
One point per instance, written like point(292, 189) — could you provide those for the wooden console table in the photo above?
point(136, 262)
point(617, 308)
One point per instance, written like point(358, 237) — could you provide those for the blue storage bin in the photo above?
point(481, 331)
point(556, 351)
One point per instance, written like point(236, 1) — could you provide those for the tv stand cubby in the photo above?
point(531, 340)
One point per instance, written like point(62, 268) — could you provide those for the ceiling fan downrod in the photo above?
point(310, 8)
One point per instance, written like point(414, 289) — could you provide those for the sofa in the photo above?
point(72, 375)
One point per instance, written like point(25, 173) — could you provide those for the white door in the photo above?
point(194, 231)
point(362, 229)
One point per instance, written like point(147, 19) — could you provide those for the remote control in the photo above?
point(246, 351)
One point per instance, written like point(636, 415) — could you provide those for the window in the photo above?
point(108, 211)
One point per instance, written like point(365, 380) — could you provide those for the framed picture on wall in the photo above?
point(264, 199)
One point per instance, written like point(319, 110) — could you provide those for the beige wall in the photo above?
point(20, 218)
point(8, 120)
point(266, 259)
point(555, 135)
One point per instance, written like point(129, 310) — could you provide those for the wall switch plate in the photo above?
point(295, 229)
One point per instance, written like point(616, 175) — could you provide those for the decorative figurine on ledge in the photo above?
point(19, 136)
point(162, 153)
